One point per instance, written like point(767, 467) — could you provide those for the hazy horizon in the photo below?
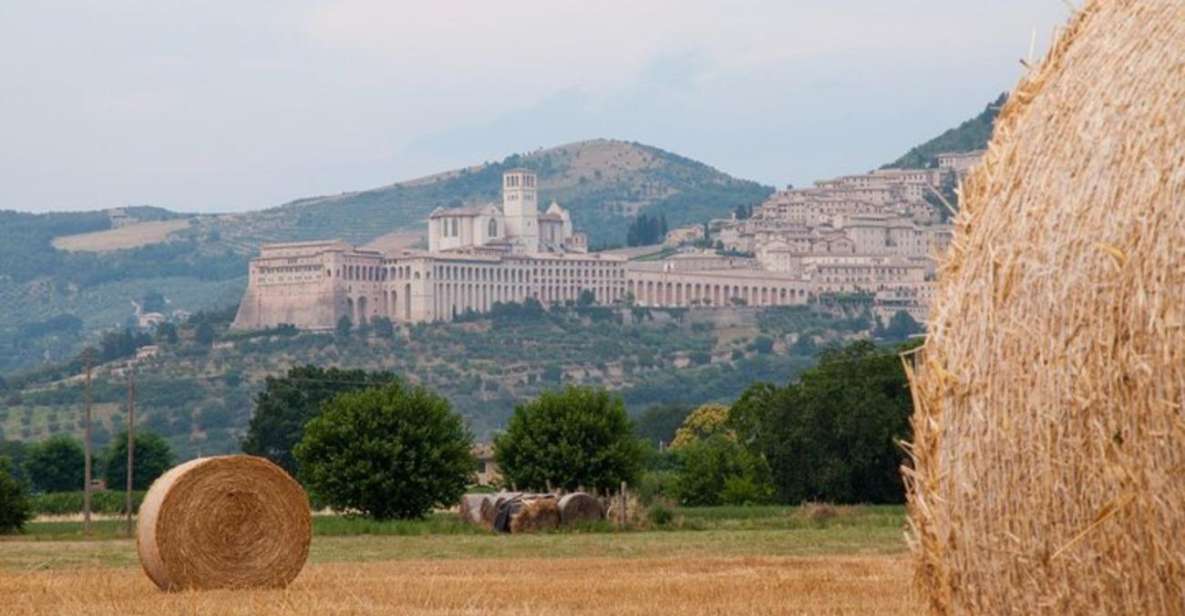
point(230, 107)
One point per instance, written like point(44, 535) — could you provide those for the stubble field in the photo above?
point(828, 569)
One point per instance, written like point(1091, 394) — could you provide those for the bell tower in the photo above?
point(520, 206)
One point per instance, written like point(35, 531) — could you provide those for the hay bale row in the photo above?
point(516, 512)
point(1048, 469)
point(224, 522)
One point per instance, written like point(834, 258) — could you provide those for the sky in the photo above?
point(211, 106)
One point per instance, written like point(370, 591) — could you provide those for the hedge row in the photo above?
point(67, 503)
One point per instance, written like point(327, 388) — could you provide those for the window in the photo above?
point(493, 232)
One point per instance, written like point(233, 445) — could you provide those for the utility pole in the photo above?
point(86, 445)
point(127, 503)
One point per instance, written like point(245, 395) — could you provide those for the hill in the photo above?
point(198, 393)
point(86, 268)
point(973, 134)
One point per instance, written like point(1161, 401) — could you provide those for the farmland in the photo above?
point(725, 560)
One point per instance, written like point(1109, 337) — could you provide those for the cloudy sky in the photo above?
point(223, 106)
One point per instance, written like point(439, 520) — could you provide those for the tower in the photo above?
point(520, 206)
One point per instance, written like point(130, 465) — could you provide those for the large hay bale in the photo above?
point(224, 522)
point(1048, 459)
point(579, 507)
point(536, 514)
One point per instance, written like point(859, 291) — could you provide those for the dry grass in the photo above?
point(131, 236)
point(730, 585)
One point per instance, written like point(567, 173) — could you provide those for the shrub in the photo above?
point(717, 470)
point(14, 499)
point(389, 452)
point(578, 437)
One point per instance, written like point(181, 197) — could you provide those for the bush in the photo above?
point(14, 499)
point(717, 470)
point(389, 452)
point(578, 437)
point(68, 503)
point(56, 464)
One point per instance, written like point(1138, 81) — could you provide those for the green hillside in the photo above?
point(973, 134)
point(198, 394)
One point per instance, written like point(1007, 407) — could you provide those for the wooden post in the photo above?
point(86, 448)
point(621, 512)
point(127, 502)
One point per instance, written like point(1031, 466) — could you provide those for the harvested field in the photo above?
point(130, 236)
point(759, 560)
point(706, 585)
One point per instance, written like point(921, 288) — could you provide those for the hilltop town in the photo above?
point(874, 235)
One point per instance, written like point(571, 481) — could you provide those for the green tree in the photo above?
point(660, 421)
point(153, 457)
point(902, 325)
point(580, 436)
point(56, 464)
point(833, 436)
point(717, 470)
point(344, 325)
point(390, 452)
point(289, 402)
point(14, 499)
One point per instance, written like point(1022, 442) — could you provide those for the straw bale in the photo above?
point(1048, 472)
point(224, 522)
point(579, 507)
point(536, 514)
point(470, 507)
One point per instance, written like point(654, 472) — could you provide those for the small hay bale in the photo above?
point(579, 507)
point(224, 522)
point(1047, 473)
point(536, 514)
point(489, 510)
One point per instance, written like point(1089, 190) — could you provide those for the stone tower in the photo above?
point(520, 206)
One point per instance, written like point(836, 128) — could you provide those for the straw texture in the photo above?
point(1049, 432)
point(224, 522)
point(537, 513)
point(580, 507)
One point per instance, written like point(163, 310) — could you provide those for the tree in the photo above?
point(703, 422)
point(289, 402)
point(659, 422)
point(153, 457)
point(717, 470)
point(56, 464)
point(833, 436)
point(901, 326)
point(344, 325)
point(586, 298)
point(15, 509)
point(578, 437)
point(394, 451)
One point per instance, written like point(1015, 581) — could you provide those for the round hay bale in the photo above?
point(1048, 462)
point(489, 510)
point(579, 507)
point(470, 507)
point(224, 522)
point(537, 514)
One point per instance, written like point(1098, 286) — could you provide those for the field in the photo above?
point(726, 561)
point(129, 236)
